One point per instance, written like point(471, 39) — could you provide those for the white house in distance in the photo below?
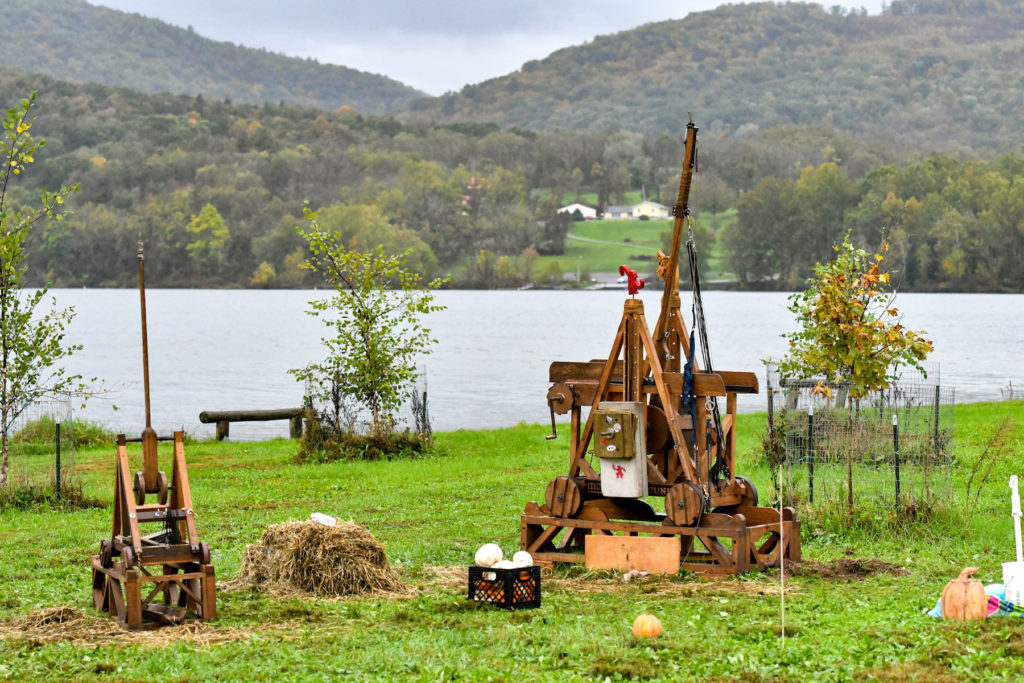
point(652, 210)
point(587, 212)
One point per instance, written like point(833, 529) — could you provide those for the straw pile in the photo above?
point(69, 625)
point(309, 557)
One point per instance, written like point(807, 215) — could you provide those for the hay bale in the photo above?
point(327, 561)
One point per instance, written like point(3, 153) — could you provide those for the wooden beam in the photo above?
point(704, 383)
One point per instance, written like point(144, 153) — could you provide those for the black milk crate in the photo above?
point(508, 588)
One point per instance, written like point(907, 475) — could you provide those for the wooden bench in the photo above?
point(224, 418)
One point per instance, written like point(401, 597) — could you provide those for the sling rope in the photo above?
point(720, 467)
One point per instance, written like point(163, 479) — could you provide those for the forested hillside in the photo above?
point(76, 41)
point(949, 225)
point(937, 75)
point(216, 189)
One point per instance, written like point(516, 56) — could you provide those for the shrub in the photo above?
point(324, 442)
point(37, 436)
point(17, 497)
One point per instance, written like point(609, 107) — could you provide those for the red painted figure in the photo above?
point(634, 283)
point(620, 471)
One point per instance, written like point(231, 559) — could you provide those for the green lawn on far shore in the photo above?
point(606, 244)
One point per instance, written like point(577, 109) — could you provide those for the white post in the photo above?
point(1016, 511)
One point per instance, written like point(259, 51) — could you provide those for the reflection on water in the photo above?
point(232, 349)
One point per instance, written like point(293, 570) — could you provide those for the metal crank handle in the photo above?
point(554, 430)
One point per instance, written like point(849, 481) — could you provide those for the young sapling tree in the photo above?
point(31, 341)
point(375, 319)
point(851, 333)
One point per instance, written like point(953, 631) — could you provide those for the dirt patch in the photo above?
point(910, 671)
point(845, 568)
point(67, 624)
point(603, 581)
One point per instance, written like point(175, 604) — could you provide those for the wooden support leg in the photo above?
point(115, 596)
point(209, 594)
point(99, 589)
point(741, 545)
point(132, 599)
point(295, 427)
point(223, 427)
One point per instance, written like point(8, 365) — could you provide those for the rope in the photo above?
point(700, 323)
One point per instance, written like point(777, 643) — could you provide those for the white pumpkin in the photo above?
point(488, 555)
point(503, 564)
point(522, 559)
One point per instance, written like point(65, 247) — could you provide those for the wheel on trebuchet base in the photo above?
point(684, 504)
point(564, 497)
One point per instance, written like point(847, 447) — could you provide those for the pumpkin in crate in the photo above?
point(646, 626)
point(964, 598)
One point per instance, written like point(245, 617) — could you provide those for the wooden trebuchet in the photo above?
point(162, 577)
point(652, 427)
point(165, 576)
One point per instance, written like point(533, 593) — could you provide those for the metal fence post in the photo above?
point(896, 454)
point(810, 453)
point(58, 459)
point(936, 433)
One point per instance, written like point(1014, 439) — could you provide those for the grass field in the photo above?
point(611, 248)
point(433, 513)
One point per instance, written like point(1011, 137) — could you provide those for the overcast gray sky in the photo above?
point(434, 46)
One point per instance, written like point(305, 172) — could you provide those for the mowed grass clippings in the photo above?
point(431, 514)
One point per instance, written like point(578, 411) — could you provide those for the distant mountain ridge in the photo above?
point(934, 73)
point(76, 41)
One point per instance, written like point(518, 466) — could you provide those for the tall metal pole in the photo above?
point(149, 459)
point(896, 454)
point(810, 453)
point(57, 464)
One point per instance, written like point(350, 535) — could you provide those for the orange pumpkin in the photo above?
point(646, 626)
point(964, 598)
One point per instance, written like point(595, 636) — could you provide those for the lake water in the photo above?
point(232, 349)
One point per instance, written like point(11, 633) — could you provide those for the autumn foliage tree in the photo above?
point(850, 331)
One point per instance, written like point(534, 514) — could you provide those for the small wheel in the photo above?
point(204, 551)
point(657, 430)
point(161, 482)
point(127, 558)
point(684, 504)
point(139, 487)
point(564, 497)
point(561, 396)
point(748, 497)
point(106, 553)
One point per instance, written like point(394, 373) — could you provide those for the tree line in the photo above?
point(217, 190)
point(950, 224)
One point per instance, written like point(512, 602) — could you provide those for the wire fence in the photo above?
point(41, 453)
point(347, 413)
point(892, 446)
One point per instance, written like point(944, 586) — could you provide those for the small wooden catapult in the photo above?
point(166, 576)
point(656, 430)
